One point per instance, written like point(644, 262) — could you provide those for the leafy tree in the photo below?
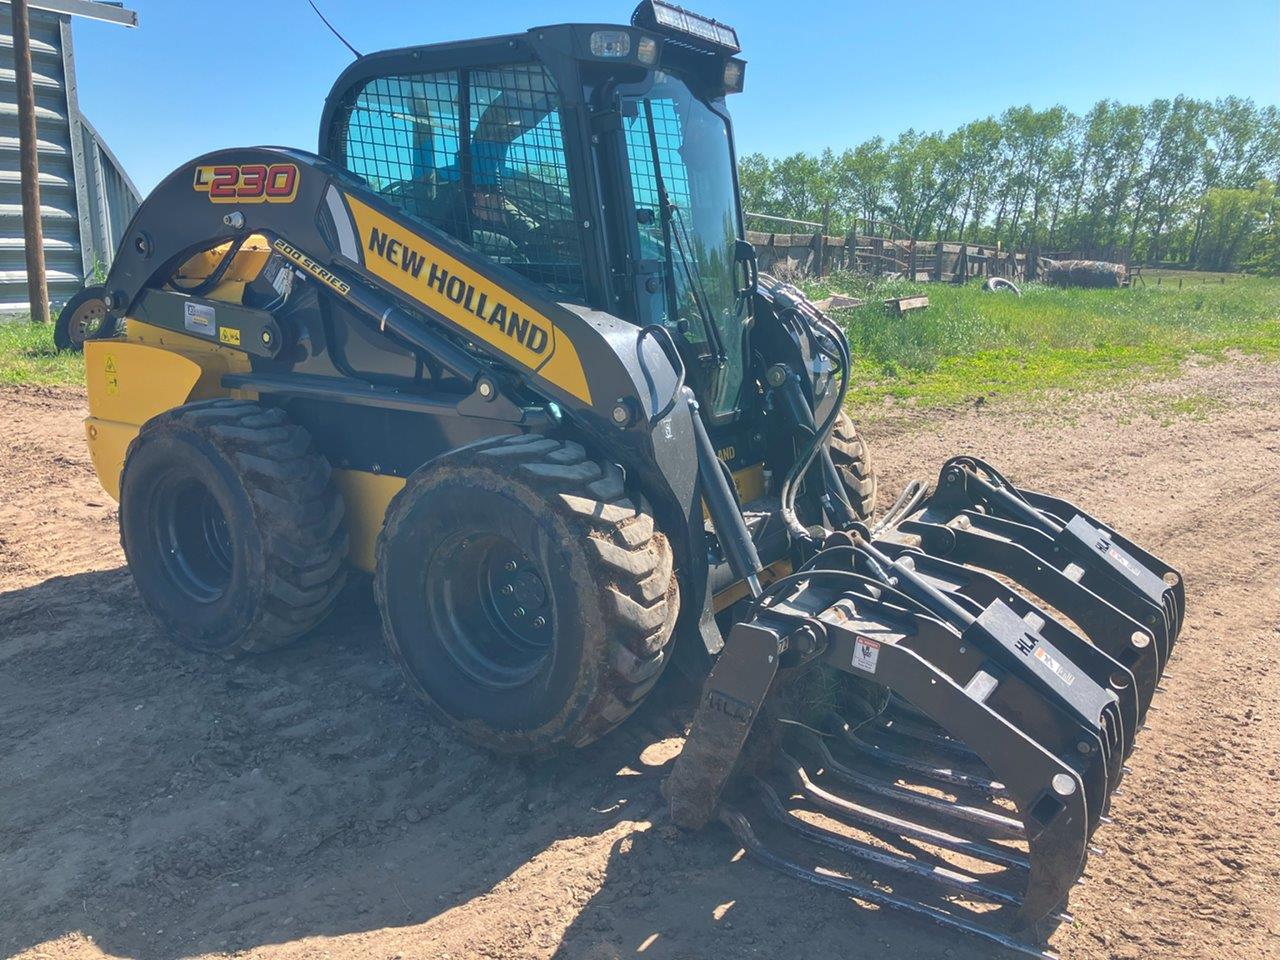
point(1176, 179)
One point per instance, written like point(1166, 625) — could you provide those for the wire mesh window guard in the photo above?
point(500, 185)
point(642, 136)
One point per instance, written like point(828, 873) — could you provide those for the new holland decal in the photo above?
point(481, 307)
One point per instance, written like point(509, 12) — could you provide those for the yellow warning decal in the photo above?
point(229, 335)
point(113, 376)
point(481, 307)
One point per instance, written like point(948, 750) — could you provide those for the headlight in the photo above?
point(647, 51)
point(612, 44)
point(734, 73)
point(672, 19)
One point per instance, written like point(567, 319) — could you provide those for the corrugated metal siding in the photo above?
point(85, 200)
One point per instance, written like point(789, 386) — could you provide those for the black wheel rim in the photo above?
point(86, 322)
point(193, 539)
point(491, 609)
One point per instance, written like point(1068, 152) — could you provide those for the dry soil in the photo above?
point(159, 804)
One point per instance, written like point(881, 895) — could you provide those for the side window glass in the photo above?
point(403, 137)
point(521, 209)
point(654, 138)
point(501, 185)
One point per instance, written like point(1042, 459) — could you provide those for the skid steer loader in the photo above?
point(501, 344)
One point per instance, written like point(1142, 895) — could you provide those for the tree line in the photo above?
point(1184, 181)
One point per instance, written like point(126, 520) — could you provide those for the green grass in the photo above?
point(27, 356)
point(970, 343)
point(967, 344)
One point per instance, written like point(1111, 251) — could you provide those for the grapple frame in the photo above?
point(1021, 641)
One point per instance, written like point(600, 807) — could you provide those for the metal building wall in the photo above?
point(86, 198)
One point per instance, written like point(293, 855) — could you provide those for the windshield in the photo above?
point(678, 145)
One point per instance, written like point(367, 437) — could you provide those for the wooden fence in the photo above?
point(795, 255)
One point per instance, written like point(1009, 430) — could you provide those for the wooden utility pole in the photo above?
point(33, 231)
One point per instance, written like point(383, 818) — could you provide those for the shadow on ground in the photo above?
point(168, 804)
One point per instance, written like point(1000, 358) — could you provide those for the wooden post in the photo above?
point(938, 258)
point(911, 261)
point(28, 145)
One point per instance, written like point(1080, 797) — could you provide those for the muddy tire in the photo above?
point(525, 594)
point(853, 463)
point(232, 527)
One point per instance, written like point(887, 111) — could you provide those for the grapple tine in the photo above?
point(853, 813)
point(989, 823)
point(927, 735)
point(947, 877)
point(741, 828)
point(1063, 536)
point(1063, 511)
point(1122, 637)
point(946, 776)
point(1050, 795)
point(1003, 664)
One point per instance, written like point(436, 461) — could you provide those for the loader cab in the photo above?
point(594, 160)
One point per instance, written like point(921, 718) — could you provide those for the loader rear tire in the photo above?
point(232, 527)
point(525, 593)
point(853, 463)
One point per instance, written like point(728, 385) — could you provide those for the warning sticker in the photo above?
point(865, 654)
point(199, 318)
point(229, 335)
point(113, 376)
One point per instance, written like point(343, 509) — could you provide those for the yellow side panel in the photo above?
point(132, 380)
point(367, 496)
point(108, 443)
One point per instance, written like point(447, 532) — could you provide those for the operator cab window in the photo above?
point(479, 154)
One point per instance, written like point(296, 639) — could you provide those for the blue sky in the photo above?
point(190, 79)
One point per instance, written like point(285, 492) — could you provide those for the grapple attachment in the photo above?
point(1015, 644)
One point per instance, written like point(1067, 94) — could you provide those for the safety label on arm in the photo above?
point(865, 654)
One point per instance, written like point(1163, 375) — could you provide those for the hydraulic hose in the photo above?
point(820, 437)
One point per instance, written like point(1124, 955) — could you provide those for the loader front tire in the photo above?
point(525, 593)
point(853, 463)
point(232, 527)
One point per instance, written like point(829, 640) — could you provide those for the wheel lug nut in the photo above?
point(510, 566)
point(508, 589)
point(539, 623)
point(518, 612)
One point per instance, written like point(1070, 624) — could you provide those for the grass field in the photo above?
point(27, 356)
point(970, 343)
point(967, 344)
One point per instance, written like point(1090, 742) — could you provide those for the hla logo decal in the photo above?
point(523, 330)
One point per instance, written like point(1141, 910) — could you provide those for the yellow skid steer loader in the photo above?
point(501, 344)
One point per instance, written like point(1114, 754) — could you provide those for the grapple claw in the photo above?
point(1021, 641)
point(977, 503)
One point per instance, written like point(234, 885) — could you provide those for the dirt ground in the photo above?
point(158, 804)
